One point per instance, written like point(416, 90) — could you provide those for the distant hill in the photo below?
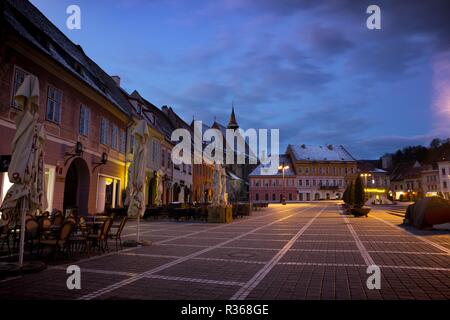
point(425, 155)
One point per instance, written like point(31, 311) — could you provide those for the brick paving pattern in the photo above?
point(298, 251)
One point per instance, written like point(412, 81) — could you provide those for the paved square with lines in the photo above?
point(297, 251)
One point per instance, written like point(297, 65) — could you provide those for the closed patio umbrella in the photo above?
point(26, 170)
point(136, 206)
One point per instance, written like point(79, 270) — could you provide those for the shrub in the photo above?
point(351, 194)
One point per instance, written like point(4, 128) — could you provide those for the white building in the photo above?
point(444, 177)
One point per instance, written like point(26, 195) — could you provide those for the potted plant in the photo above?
point(359, 198)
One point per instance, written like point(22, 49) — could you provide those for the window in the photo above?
point(257, 197)
point(132, 143)
point(122, 141)
point(189, 169)
point(104, 131)
point(54, 101)
point(443, 171)
point(114, 132)
point(273, 197)
point(445, 185)
point(300, 182)
point(155, 148)
point(19, 76)
point(163, 158)
point(84, 120)
point(307, 183)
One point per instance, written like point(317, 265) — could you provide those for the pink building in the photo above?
point(264, 188)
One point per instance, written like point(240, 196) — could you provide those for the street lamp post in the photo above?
point(282, 168)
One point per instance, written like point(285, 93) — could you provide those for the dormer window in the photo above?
point(77, 67)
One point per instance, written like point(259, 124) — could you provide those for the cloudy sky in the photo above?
point(310, 68)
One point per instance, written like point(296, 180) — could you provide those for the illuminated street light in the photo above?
point(282, 168)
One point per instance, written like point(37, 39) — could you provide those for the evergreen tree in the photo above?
point(359, 193)
point(345, 196)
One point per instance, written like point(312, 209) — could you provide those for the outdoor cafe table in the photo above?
point(94, 225)
point(51, 230)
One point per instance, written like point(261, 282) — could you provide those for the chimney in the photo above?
point(116, 80)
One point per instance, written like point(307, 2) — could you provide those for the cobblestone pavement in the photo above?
point(297, 251)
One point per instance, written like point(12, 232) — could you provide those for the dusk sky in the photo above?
point(310, 68)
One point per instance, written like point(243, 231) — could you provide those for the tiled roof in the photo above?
point(30, 24)
point(283, 159)
point(249, 153)
point(406, 170)
point(320, 153)
point(162, 122)
point(370, 166)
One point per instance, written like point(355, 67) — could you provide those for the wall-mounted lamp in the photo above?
point(103, 161)
point(78, 152)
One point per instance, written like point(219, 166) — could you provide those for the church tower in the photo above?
point(232, 124)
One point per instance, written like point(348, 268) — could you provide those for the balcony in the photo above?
point(328, 187)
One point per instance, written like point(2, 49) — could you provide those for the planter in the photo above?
point(220, 214)
point(242, 209)
point(359, 212)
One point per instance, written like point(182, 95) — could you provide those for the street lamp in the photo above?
point(282, 168)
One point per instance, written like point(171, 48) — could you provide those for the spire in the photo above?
point(232, 124)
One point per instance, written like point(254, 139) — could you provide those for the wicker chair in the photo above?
point(100, 240)
point(32, 233)
point(58, 220)
point(60, 244)
point(79, 239)
point(117, 235)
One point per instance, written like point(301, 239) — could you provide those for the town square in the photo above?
point(200, 156)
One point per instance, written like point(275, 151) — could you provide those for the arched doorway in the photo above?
point(76, 186)
point(176, 192)
point(151, 192)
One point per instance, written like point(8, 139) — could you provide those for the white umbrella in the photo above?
point(136, 184)
point(26, 170)
point(159, 187)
